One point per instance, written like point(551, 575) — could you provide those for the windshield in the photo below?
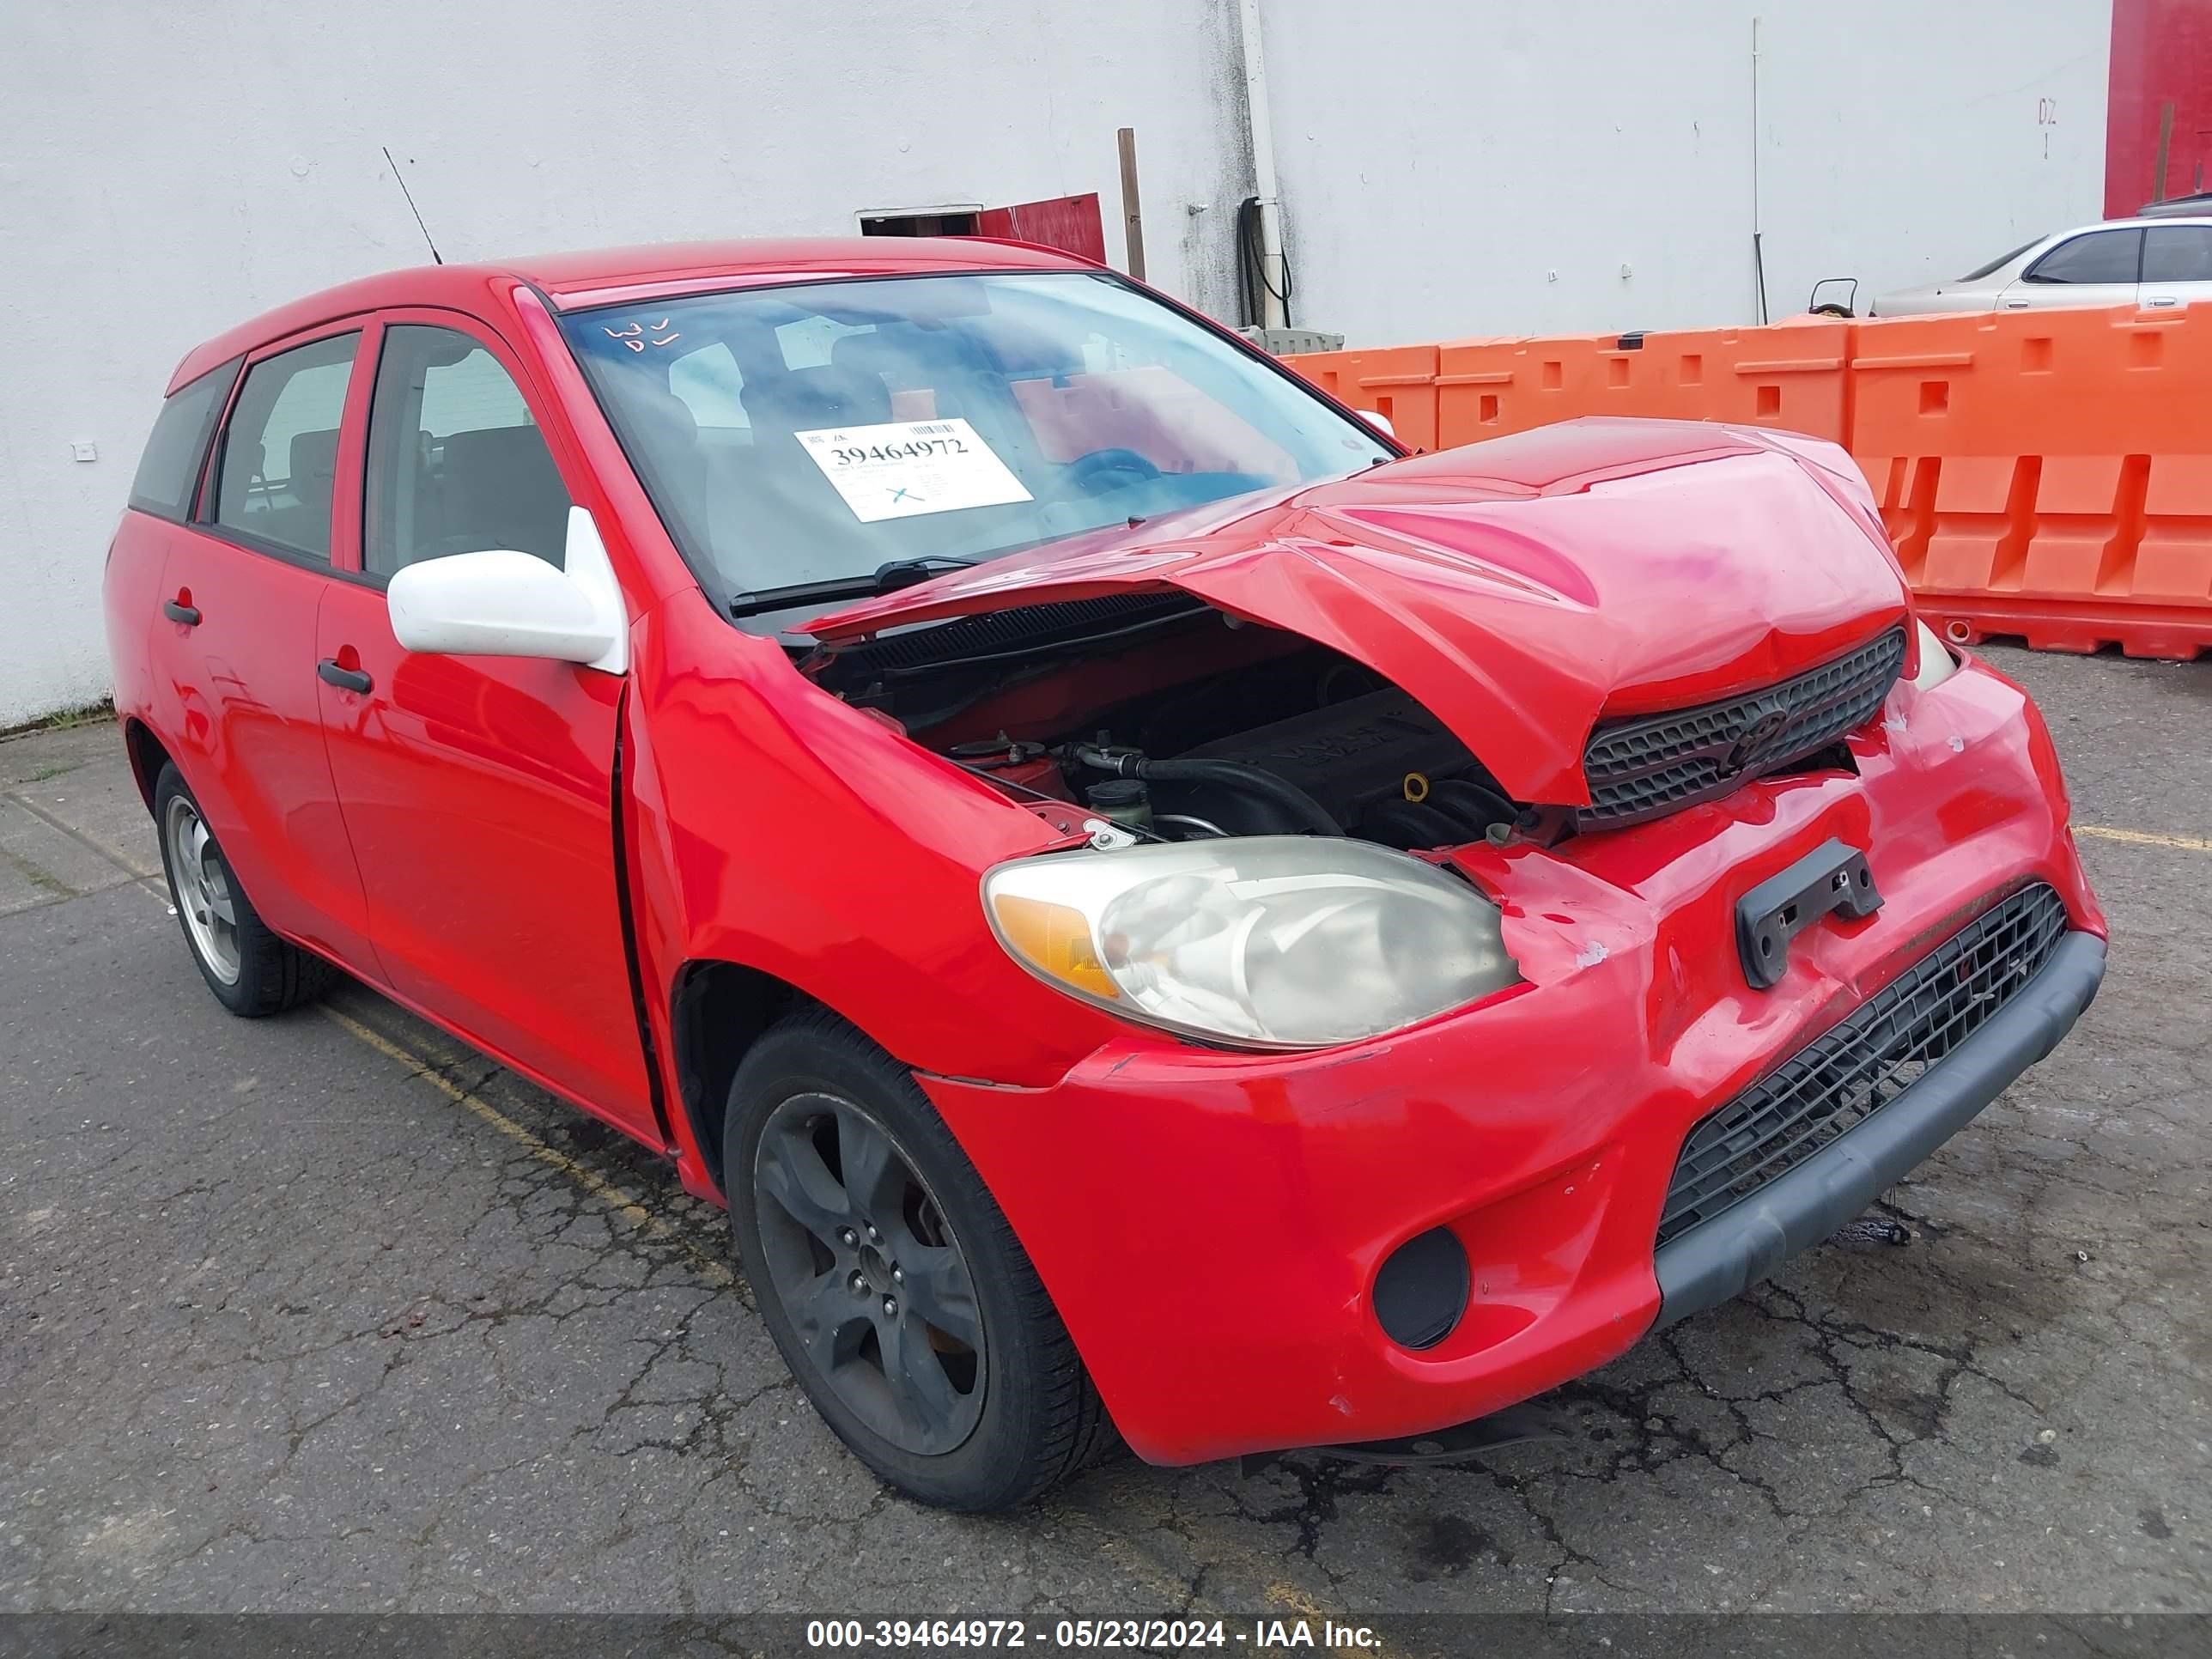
point(809, 436)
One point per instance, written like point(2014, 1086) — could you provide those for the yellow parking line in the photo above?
point(589, 1179)
point(2144, 837)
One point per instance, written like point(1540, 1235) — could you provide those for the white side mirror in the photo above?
point(500, 603)
point(1380, 422)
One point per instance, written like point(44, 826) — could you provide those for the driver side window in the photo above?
point(2102, 256)
point(455, 463)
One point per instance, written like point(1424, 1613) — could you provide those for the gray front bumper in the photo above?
point(1723, 1256)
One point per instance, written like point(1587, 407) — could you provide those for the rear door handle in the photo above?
point(185, 614)
point(346, 680)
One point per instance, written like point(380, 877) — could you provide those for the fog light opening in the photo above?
point(1421, 1291)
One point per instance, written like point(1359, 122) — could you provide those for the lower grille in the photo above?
point(1651, 764)
point(1836, 1083)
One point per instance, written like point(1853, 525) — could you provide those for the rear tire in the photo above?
point(903, 1302)
point(250, 970)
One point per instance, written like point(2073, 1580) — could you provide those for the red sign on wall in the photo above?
point(2162, 56)
point(1070, 223)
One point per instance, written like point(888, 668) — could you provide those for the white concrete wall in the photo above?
point(167, 170)
point(1481, 166)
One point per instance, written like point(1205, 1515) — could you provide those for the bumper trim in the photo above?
point(1727, 1254)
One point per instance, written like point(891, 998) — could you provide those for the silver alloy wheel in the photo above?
point(201, 883)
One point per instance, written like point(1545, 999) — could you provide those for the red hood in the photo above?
point(1517, 587)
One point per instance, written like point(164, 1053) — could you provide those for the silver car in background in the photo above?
point(2150, 262)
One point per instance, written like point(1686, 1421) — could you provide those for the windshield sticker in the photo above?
point(903, 469)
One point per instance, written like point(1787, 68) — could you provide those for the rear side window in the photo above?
point(280, 451)
point(170, 466)
point(456, 464)
point(2102, 256)
point(2178, 254)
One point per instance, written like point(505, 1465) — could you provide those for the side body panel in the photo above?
point(235, 702)
point(131, 604)
point(233, 696)
point(777, 828)
point(478, 793)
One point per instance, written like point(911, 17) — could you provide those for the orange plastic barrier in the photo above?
point(1399, 383)
point(1787, 375)
point(2044, 474)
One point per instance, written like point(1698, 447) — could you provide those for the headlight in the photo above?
point(1936, 662)
point(1267, 941)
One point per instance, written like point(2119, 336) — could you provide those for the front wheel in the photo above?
point(892, 1283)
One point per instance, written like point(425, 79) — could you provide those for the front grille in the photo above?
point(1831, 1086)
point(1640, 767)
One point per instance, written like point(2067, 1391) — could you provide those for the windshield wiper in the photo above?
point(887, 578)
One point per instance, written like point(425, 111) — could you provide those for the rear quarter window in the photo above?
point(169, 467)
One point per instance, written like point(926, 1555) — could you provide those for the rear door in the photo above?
point(2177, 268)
point(2097, 268)
point(234, 691)
point(478, 791)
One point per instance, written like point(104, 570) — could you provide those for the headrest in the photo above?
point(314, 456)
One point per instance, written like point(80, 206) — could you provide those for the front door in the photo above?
point(478, 791)
point(2098, 268)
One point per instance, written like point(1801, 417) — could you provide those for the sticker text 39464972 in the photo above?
point(901, 468)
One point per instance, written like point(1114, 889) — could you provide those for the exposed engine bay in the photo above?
point(1377, 767)
point(1158, 737)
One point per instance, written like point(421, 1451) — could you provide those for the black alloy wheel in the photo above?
point(859, 1255)
point(891, 1280)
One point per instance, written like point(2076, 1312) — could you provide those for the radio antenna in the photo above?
point(411, 207)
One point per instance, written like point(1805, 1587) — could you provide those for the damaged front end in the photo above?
point(1648, 889)
point(1579, 628)
point(1269, 701)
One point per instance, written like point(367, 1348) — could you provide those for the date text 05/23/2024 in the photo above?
point(1141, 1635)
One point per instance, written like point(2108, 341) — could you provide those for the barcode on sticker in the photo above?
point(931, 430)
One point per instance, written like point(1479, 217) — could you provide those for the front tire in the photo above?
point(250, 970)
point(891, 1281)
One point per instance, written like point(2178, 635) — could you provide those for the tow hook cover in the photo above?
point(1833, 878)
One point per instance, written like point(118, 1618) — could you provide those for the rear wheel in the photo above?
point(891, 1281)
point(250, 970)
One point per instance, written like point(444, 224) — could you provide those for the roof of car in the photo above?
point(604, 275)
point(2151, 222)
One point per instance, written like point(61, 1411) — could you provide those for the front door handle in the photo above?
point(2162, 300)
point(346, 680)
point(185, 614)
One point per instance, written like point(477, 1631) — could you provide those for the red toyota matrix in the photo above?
point(1158, 911)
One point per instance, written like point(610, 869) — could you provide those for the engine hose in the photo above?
point(1410, 823)
point(1473, 804)
point(1229, 774)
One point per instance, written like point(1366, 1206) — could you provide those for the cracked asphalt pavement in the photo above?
point(328, 1312)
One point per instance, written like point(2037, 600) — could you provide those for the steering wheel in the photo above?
point(1082, 475)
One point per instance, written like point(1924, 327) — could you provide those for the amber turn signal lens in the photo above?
point(1056, 939)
